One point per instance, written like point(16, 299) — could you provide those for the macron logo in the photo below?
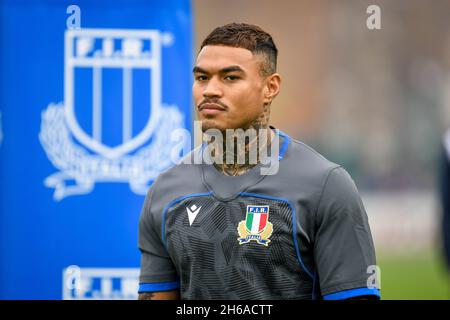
point(192, 213)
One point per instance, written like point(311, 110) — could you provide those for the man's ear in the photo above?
point(272, 87)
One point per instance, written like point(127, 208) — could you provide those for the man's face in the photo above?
point(228, 87)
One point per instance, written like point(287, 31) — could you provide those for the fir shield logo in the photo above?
point(256, 226)
point(82, 137)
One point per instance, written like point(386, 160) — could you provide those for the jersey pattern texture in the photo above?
point(242, 248)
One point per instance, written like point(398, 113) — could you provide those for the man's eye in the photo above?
point(200, 78)
point(232, 78)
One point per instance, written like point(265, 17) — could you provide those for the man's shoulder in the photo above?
point(179, 180)
point(310, 174)
point(304, 171)
point(183, 171)
point(301, 159)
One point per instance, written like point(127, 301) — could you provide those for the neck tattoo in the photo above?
point(236, 169)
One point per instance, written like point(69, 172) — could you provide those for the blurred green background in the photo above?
point(422, 276)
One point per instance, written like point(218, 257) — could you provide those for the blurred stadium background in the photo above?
point(375, 101)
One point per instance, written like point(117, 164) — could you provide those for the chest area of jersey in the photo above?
point(256, 224)
point(241, 249)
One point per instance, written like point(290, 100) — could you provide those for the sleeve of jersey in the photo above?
point(157, 270)
point(343, 248)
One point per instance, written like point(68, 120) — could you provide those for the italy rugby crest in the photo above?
point(93, 136)
point(256, 226)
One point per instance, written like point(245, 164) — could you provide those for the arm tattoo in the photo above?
point(146, 296)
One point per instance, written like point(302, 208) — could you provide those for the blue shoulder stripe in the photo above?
point(158, 286)
point(352, 293)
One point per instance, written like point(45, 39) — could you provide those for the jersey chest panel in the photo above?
point(244, 248)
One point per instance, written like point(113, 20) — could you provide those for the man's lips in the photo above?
point(210, 108)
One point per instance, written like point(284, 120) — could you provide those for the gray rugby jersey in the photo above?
point(302, 233)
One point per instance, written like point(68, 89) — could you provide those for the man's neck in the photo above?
point(233, 152)
point(250, 152)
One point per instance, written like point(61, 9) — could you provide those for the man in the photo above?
point(226, 231)
point(445, 196)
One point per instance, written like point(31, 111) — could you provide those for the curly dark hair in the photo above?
point(247, 36)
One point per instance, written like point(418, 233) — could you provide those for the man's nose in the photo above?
point(213, 88)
